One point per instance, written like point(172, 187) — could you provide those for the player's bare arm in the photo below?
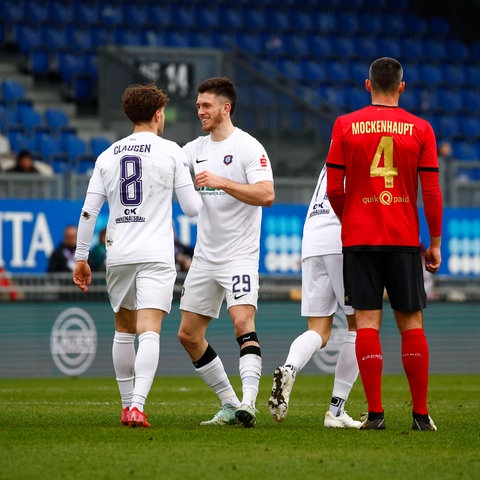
point(433, 256)
point(260, 194)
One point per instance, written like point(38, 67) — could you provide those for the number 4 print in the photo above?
point(388, 170)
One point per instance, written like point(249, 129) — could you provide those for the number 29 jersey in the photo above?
point(138, 174)
point(380, 150)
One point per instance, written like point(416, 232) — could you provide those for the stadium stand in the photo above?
point(320, 49)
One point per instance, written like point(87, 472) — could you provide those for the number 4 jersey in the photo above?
point(137, 174)
point(382, 151)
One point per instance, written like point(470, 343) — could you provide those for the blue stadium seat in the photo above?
point(49, 147)
point(356, 98)
point(447, 126)
point(152, 37)
point(290, 69)
point(183, 16)
point(462, 150)
point(19, 139)
point(324, 21)
point(314, 72)
point(83, 88)
point(13, 12)
point(430, 74)
point(54, 37)
point(333, 95)
point(206, 18)
point(85, 166)
point(249, 41)
point(367, 48)
point(278, 20)
point(255, 18)
point(439, 27)
point(338, 72)
point(457, 50)
point(128, 35)
point(55, 118)
point(370, 24)
point(38, 11)
point(470, 127)
point(343, 47)
point(68, 64)
point(472, 74)
point(412, 49)
point(389, 47)
point(358, 73)
point(411, 75)
point(136, 14)
point(435, 50)
point(347, 22)
point(12, 90)
point(410, 100)
point(454, 75)
point(201, 38)
point(176, 38)
point(79, 37)
point(110, 13)
point(296, 45)
point(301, 20)
point(395, 23)
point(99, 145)
point(415, 24)
point(76, 149)
point(39, 61)
point(30, 119)
point(102, 35)
point(27, 36)
point(159, 14)
point(470, 100)
point(450, 100)
point(86, 13)
point(62, 13)
point(231, 16)
point(319, 47)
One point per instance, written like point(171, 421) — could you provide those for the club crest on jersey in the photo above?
point(263, 161)
point(228, 159)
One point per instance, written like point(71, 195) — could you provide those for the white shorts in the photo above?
point(141, 285)
point(204, 290)
point(322, 286)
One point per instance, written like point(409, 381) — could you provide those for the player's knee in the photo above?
point(187, 339)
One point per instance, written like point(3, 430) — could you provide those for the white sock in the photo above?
point(146, 365)
point(250, 366)
point(346, 372)
point(214, 375)
point(303, 348)
point(123, 355)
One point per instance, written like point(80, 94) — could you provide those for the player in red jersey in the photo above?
point(382, 150)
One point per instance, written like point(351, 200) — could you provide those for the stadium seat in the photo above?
point(296, 45)
point(54, 36)
point(27, 36)
point(395, 22)
point(19, 139)
point(358, 73)
point(127, 35)
point(430, 75)
point(159, 14)
point(110, 13)
point(415, 24)
point(470, 100)
point(472, 75)
point(411, 49)
point(450, 100)
point(207, 18)
point(38, 11)
point(319, 47)
point(39, 61)
point(301, 20)
point(56, 119)
point(86, 13)
point(49, 147)
point(314, 72)
point(136, 14)
point(439, 27)
point(457, 50)
point(356, 98)
point(79, 37)
point(183, 16)
point(389, 47)
point(13, 12)
point(347, 21)
point(76, 149)
point(62, 13)
point(367, 48)
point(338, 72)
point(98, 145)
point(324, 21)
point(453, 75)
point(434, 50)
point(447, 126)
point(278, 20)
point(29, 118)
point(369, 23)
point(201, 38)
point(249, 41)
point(12, 90)
point(342, 47)
point(333, 95)
point(231, 16)
point(462, 150)
point(102, 35)
point(470, 127)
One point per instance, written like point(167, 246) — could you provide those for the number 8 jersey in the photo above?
point(382, 150)
point(138, 174)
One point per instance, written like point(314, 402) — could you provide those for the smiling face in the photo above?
point(212, 110)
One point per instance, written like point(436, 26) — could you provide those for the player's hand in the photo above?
point(433, 259)
point(208, 179)
point(82, 275)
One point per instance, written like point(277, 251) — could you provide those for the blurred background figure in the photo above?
point(62, 258)
point(98, 253)
point(183, 256)
point(23, 163)
point(447, 173)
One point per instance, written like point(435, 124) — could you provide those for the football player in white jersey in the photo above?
point(137, 176)
point(322, 293)
point(234, 176)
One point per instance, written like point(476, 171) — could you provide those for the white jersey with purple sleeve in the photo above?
point(322, 228)
point(137, 175)
point(228, 230)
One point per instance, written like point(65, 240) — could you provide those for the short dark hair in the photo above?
point(140, 102)
point(385, 74)
point(23, 153)
point(220, 86)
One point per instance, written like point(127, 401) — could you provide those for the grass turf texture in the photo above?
point(70, 429)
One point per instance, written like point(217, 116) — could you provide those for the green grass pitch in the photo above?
point(70, 429)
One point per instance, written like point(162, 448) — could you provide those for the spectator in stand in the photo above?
point(23, 163)
point(62, 258)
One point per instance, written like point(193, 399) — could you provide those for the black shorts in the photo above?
point(366, 274)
